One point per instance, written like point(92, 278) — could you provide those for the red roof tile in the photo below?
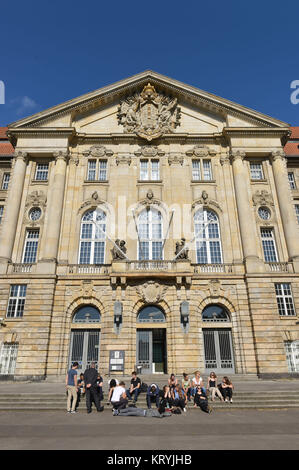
point(3, 132)
point(292, 148)
point(295, 132)
point(6, 148)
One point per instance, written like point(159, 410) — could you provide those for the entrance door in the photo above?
point(218, 350)
point(151, 350)
point(85, 348)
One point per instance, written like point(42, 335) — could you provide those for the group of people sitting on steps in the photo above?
point(173, 398)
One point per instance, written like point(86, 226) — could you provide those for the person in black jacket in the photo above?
point(91, 388)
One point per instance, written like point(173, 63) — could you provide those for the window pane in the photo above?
point(85, 251)
point(99, 248)
point(195, 170)
point(284, 299)
point(103, 170)
point(42, 170)
point(5, 181)
point(31, 244)
point(91, 173)
point(144, 170)
point(155, 170)
point(292, 180)
point(269, 247)
point(207, 170)
point(256, 171)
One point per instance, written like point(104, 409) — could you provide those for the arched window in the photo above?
point(87, 314)
point(150, 235)
point(151, 314)
point(92, 238)
point(215, 313)
point(207, 236)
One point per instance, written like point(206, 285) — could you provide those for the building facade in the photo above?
point(149, 224)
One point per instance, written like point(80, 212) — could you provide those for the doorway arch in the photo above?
point(151, 350)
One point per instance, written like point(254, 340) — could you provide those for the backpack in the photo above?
point(143, 387)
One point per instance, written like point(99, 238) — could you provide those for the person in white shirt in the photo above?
point(197, 381)
point(119, 397)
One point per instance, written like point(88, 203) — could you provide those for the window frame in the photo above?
point(97, 170)
point(292, 180)
point(35, 243)
point(282, 305)
point(16, 303)
point(262, 172)
point(149, 172)
point(269, 229)
point(5, 181)
point(91, 251)
point(150, 240)
point(41, 171)
point(201, 170)
point(205, 237)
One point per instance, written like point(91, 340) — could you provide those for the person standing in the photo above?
point(91, 388)
point(72, 388)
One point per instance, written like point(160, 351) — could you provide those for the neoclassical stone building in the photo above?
point(149, 224)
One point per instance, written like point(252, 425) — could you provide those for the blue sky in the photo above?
point(53, 51)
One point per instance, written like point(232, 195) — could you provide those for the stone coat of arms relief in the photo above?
point(149, 114)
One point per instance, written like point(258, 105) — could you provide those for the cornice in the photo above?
point(256, 131)
point(121, 88)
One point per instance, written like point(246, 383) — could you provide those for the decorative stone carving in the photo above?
point(151, 292)
point(205, 201)
point(123, 160)
point(91, 202)
point(98, 151)
point(176, 159)
point(149, 200)
point(149, 114)
point(235, 154)
point(36, 199)
point(262, 198)
point(149, 151)
point(200, 150)
point(179, 247)
point(117, 254)
point(61, 154)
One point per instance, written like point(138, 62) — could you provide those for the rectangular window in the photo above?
point(292, 181)
point(269, 247)
point(207, 170)
point(8, 358)
point(5, 181)
point(97, 170)
point(256, 171)
point(1, 213)
point(42, 171)
point(149, 170)
point(102, 170)
point(91, 173)
point(297, 212)
point(30, 248)
point(284, 299)
point(16, 302)
point(196, 170)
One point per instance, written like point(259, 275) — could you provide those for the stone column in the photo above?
point(246, 221)
point(12, 209)
point(285, 204)
point(52, 233)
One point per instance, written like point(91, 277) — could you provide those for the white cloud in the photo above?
point(24, 105)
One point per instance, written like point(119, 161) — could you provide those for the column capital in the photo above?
point(61, 155)
point(278, 155)
point(20, 155)
point(237, 155)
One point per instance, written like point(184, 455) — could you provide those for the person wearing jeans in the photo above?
point(71, 387)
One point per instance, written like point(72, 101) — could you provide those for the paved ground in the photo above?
point(230, 430)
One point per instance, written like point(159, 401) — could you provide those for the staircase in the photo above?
point(249, 393)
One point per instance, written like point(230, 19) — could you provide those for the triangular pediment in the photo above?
point(97, 111)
